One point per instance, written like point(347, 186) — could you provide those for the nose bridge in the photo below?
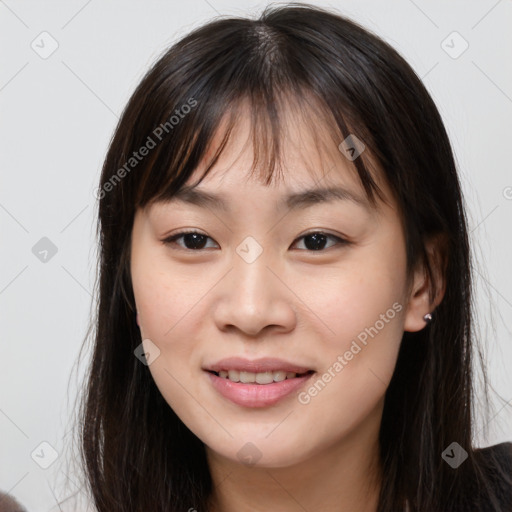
point(250, 273)
point(253, 297)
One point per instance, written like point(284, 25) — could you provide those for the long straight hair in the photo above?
point(137, 454)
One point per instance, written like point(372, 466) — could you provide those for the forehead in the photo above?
point(308, 167)
point(306, 146)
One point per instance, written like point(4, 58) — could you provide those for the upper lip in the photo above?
point(265, 364)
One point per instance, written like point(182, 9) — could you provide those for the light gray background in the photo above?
point(57, 116)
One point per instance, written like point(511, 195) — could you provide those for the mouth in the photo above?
point(258, 383)
point(259, 378)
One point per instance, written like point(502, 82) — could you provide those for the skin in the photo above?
point(294, 303)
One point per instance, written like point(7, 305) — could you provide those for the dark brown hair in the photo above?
point(137, 454)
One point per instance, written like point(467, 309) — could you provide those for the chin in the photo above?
point(261, 452)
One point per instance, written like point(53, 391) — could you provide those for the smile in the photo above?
point(258, 378)
point(252, 393)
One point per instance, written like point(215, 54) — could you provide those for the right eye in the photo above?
point(192, 240)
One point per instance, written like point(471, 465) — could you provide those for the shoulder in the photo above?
point(496, 463)
point(500, 453)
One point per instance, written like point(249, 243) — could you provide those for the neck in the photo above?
point(344, 477)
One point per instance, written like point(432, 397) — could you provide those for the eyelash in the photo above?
point(172, 239)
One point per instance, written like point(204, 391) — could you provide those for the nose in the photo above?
point(254, 298)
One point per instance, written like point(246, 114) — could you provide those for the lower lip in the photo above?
point(256, 395)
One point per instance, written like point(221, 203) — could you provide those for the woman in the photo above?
point(284, 317)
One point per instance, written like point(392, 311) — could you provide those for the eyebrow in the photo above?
point(293, 201)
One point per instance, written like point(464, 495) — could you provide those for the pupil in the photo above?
point(197, 240)
point(318, 241)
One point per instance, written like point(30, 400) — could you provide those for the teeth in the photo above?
point(279, 376)
point(258, 378)
point(264, 378)
point(247, 377)
point(234, 375)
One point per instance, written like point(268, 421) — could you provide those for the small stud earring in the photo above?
point(427, 318)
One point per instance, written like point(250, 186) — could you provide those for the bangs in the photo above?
point(201, 144)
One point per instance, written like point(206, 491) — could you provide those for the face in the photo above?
point(272, 287)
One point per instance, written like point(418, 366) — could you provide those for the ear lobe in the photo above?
point(419, 303)
point(421, 300)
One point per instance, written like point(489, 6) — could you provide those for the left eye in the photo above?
point(316, 241)
point(196, 241)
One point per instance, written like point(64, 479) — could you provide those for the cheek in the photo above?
point(171, 304)
point(165, 298)
point(361, 294)
point(362, 309)
point(168, 318)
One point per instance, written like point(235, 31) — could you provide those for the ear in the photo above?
point(420, 296)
